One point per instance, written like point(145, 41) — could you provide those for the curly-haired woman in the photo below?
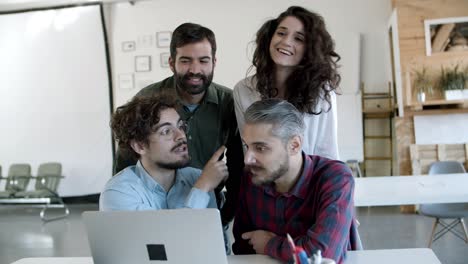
point(295, 60)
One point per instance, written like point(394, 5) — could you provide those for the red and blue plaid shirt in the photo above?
point(318, 212)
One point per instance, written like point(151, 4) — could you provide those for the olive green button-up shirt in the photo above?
point(211, 125)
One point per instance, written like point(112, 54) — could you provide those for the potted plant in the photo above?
point(422, 85)
point(452, 82)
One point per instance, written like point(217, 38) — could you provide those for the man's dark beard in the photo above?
point(175, 165)
point(193, 89)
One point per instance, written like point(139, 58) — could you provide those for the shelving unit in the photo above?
point(377, 106)
point(441, 105)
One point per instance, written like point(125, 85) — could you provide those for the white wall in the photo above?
point(235, 24)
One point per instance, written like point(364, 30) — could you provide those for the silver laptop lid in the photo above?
point(160, 236)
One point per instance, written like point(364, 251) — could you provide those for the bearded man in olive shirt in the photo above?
point(208, 109)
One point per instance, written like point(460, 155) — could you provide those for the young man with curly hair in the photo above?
point(151, 129)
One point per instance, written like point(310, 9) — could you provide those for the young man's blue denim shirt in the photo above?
point(134, 189)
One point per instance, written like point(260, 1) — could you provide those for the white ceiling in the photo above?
point(12, 5)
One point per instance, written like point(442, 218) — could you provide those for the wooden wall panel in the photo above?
point(404, 134)
point(411, 16)
point(422, 156)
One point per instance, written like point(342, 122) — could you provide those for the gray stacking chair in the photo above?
point(47, 181)
point(454, 211)
point(45, 191)
point(18, 179)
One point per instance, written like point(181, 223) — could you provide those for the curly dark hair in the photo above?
point(137, 119)
point(316, 72)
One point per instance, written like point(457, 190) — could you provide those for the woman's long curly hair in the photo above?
point(316, 74)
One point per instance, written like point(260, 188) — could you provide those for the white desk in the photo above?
point(392, 256)
point(401, 190)
point(385, 256)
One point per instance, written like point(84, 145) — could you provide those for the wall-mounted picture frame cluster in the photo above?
point(142, 63)
point(446, 35)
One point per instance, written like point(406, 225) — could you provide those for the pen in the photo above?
point(299, 254)
point(293, 248)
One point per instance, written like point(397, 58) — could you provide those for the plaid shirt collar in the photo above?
point(300, 188)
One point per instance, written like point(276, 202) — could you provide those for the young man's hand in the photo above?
point(214, 172)
point(258, 239)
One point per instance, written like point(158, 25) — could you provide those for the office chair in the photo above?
point(456, 211)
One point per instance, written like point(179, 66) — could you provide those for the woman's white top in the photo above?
point(320, 135)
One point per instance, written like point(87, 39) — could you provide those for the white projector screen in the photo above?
point(55, 99)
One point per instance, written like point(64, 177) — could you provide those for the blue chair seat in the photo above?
point(455, 210)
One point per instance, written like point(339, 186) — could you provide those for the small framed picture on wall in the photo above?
point(126, 81)
point(163, 39)
point(446, 35)
point(142, 63)
point(128, 46)
point(165, 59)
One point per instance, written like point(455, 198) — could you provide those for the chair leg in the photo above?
point(448, 228)
point(464, 229)
point(451, 227)
point(44, 218)
point(436, 221)
point(61, 204)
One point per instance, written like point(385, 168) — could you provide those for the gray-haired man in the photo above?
point(284, 191)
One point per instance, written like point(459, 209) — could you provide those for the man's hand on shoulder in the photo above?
point(258, 239)
point(213, 173)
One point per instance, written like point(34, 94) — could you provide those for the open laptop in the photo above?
point(160, 236)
